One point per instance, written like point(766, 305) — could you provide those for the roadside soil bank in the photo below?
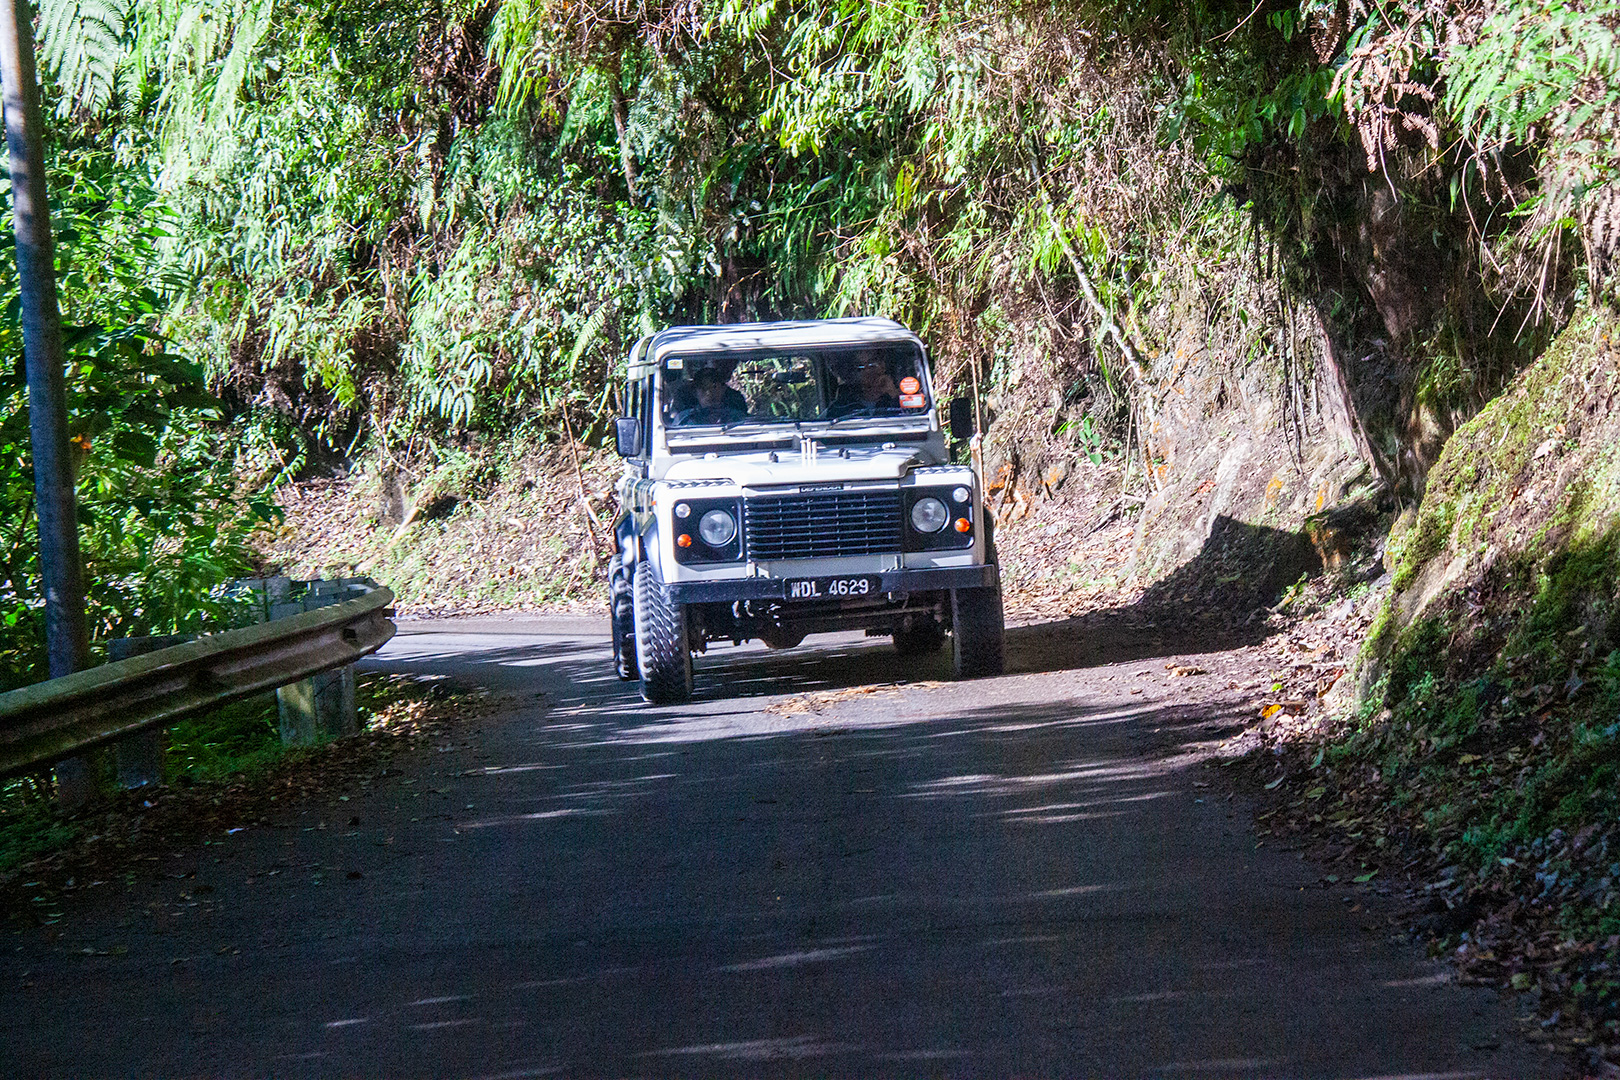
point(514, 528)
point(1479, 750)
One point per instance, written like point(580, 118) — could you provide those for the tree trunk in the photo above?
point(621, 124)
point(66, 636)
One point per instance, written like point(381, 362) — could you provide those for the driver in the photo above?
point(865, 386)
point(708, 399)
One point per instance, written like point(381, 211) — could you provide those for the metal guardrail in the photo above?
point(48, 721)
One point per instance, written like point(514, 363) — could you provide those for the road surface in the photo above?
point(807, 871)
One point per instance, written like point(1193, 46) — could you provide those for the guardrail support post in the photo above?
point(77, 780)
point(138, 758)
point(319, 708)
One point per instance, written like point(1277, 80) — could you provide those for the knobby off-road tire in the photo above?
point(662, 654)
point(923, 640)
point(622, 609)
point(978, 629)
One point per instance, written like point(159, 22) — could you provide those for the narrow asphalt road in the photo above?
point(805, 872)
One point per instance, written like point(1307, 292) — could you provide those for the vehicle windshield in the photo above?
point(783, 386)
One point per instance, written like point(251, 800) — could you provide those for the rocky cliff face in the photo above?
point(1256, 480)
point(1243, 459)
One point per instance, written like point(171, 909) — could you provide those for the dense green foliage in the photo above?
point(163, 517)
point(427, 219)
point(384, 225)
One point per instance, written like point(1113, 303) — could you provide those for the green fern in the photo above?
point(83, 43)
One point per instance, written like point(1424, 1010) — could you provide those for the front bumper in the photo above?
point(894, 583)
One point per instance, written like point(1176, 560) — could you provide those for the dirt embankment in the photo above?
point(1480, 753)
point(514, 527)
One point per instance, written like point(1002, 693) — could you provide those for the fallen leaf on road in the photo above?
point(810, 703)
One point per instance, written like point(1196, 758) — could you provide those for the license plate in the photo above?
point(832, 588)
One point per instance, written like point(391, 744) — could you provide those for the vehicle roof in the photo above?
point(749, 337)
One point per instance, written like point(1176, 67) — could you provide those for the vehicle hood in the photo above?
point(758, 470)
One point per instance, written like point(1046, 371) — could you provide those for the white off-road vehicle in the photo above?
point(785, 479)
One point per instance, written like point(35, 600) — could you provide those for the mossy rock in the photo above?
point(1514, 557)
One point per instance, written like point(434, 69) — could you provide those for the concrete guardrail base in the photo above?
point(319, 708)
point(131, 762)
point(138, 759)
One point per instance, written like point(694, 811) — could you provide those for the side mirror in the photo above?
point(627, 436)
point(961, 419)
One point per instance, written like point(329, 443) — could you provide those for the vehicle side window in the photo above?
point(635, 405)
point(644, 412)
point(632, 401)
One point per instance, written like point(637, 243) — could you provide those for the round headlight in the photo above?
point(717, 528)
point(961, 494)
point(928, 515)
point(682, 510)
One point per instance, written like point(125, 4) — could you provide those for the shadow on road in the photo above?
point(1214, 602)
point(875, 872)
point(833, 862)
point(825, 664)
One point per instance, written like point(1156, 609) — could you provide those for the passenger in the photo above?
point(708, 399)
point(866, 388)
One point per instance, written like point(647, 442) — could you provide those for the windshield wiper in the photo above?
point(869, 416)
point(705, 429)
point(772, 421)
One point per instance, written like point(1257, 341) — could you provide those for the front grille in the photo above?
point(822, 526)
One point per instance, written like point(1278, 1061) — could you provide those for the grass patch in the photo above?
point(241, 737)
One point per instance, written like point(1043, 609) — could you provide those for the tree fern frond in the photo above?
point(82, 44)
point(249, 30)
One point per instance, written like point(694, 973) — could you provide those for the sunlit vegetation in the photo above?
point(296, 235)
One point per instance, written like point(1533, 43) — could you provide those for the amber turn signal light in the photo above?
point(962, 525)
point(683, 540)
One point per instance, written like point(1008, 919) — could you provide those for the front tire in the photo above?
point(622, 611)
point(662, 653)
point(978, 630)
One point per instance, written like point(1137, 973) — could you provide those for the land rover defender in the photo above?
point(785, 479)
